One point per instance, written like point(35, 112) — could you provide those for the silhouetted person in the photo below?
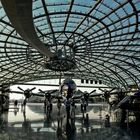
point(73, 110)
point(48, 108)
point(68, 104)
point(85, 107)
point(26, 125)
point(86, 97)
point(45, 104)
point(59, 104)
point(83, 104)
point(49, 102)
point(15, 103)
point(24, 104)
point(107, 121)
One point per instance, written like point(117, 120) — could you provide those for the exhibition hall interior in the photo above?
point(70, 69)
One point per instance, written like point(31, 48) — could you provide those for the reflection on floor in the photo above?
point(37, 124)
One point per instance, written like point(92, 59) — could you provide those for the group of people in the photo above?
point(68, 102)
point(23, 104)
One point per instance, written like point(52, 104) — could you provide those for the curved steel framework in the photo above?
point(104, 36)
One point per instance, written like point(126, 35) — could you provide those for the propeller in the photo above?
point(42, 91)
point(79, 94)
point(107, 93)
point(49, 92)
point(32, 89)
point(20, 89)
point(92, 92)
point(28, 92)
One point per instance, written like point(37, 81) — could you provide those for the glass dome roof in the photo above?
point(102, 36)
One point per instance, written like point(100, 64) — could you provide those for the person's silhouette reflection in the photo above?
point(85, 123)
point(59, 127)
point(16, 103)
point(3, 121)
point(47, 119)
point(70, 129)
point(67, 131)
point(73, 110)
point(15, 111)
point(48, 114)
point(107, 121)
point(48, 111)
point(26, 125)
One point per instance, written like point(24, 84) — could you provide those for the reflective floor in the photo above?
point(36, 124)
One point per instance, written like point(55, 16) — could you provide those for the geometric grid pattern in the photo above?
point(103, 34)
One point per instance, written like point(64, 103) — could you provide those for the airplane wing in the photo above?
point(48, 91)
point(107, 91)
point(96, 95)
point(92, 91)
point(33, 94)
point(78, 94)
point(116, 91)
point(55, 93)
point(17, 92)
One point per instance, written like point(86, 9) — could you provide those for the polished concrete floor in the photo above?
point(35, 124)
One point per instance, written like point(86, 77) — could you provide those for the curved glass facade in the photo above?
point(102, 35)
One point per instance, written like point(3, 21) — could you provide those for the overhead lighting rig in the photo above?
point(62, 61)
